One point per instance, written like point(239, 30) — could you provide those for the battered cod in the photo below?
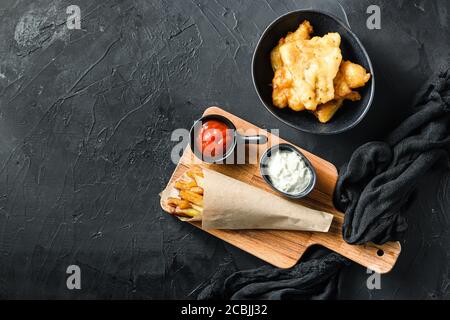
point(309, 73)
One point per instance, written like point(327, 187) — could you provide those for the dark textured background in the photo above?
point(85, 123)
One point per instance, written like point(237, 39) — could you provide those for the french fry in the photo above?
point(186, 212)
point(179, 214)
point(180, 203)
point(172, 210)
point(191, 194)
point(191, 197)
point(182, 185)
point(195, 171)
point(199, 180)
point(198, 190)
point(190, 174)
point(198, 208)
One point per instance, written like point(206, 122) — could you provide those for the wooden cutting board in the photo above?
point(284, 248)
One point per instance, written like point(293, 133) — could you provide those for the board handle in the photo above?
point(378, 258)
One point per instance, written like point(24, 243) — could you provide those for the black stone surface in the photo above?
point(86, 118)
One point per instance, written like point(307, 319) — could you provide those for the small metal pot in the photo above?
point(237, 139)
point(263, 163)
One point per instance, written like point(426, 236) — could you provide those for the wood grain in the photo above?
point(284, 248)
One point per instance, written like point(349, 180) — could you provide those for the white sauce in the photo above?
point(288, 172)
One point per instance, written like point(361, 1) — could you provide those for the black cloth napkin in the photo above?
point(376, 184)
point(373, 190)
point(316, 278)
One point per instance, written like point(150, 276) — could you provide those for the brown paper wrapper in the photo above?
point(232, 204)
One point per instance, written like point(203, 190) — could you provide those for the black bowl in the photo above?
point(351, 112)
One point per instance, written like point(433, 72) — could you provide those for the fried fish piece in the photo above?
point(304, 77)
point(350, 76)
point(326, 111)
point(303, 32)
point(309, 73)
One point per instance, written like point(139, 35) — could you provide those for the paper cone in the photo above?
point(232, 204)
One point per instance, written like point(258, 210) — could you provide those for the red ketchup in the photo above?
point(214, 138)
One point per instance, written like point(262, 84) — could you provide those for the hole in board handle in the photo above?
point(380, 252)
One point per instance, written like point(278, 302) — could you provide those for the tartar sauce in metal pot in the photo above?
point(288, 172)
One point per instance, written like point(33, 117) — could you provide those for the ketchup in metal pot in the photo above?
point(214, 138)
